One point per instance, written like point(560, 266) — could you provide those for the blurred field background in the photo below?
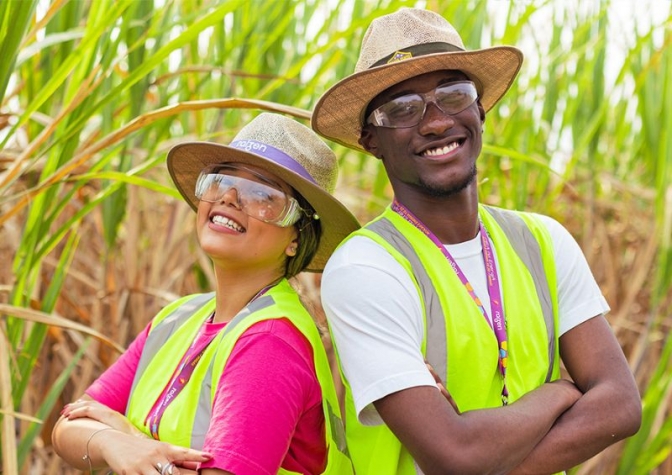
point(94, 241)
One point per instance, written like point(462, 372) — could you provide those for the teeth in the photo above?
point(228, 223)
point(440, 151)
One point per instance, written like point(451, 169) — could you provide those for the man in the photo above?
point(492, 299)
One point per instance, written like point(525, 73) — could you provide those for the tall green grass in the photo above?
point(94, 93)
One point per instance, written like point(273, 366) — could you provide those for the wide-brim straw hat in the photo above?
point(287, 149)
point(400, 46)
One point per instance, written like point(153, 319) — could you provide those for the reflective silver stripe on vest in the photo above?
point(204, 411)
point(527, 247)
point(262, 302)
point(437, 352)
point(337, 428)
point(163, 330)
point(528, 250)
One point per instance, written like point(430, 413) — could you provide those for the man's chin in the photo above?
point(437, 190)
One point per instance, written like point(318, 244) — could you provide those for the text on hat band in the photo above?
point(273, 154)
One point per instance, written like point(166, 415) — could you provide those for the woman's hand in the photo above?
point(88, 408)
point(132, 456)
point(126, 449)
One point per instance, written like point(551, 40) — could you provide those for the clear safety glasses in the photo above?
point(257, 200)
point(408, 110)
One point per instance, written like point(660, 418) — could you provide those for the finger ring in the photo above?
point(168, 469)
point(159, 467)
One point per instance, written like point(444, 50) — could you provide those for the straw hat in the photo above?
point(400, 46)
point(290, 151)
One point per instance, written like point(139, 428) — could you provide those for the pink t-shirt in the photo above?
point(267, 411)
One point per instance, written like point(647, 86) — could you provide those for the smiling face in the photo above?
point(435, 158)
point(234, 239)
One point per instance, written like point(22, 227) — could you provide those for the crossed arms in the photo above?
point(552, 428)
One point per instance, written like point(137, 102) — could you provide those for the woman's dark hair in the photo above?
point(310, 231)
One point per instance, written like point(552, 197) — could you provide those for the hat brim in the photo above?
point(338, 114)
point(185, 162)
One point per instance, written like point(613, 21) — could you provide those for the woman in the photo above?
point(235, 382)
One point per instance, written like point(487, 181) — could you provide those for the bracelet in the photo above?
point(86, 455)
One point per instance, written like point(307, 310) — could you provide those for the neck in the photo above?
point(452, 219)
point(235, 290)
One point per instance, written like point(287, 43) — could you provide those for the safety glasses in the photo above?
point(408, 111)
point(258, 200)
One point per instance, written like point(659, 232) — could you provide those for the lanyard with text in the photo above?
point(185, 370)
point(180, 379)
point(498, 324)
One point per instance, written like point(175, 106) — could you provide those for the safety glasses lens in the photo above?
point(255, 199)
point(455, 98)
point(402, 110)
point(408, 110)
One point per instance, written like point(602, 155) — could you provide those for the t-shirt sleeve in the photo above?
point(113, 387)
point(579, 296)
point(268, 383)
point(375, 320)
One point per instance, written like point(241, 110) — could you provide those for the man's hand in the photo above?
point(443, 441)
point(609, 409)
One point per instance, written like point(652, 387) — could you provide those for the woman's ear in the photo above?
point(369, 140)
point(292, 248)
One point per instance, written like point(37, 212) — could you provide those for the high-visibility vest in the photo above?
point(187, 418)
point(458, 342)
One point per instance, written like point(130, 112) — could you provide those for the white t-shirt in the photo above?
point(376, 319)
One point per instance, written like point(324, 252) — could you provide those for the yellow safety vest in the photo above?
point(187, 419)
point(452, 323)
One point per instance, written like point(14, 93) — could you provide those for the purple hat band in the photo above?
point(274, 155)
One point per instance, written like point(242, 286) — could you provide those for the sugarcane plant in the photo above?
point(94, 240)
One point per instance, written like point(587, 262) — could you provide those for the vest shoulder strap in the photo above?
point(164, 327)
point(526, 247)
point(435, 330)
point(529, 251)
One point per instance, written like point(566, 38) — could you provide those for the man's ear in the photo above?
point(369, 140)
point(481, 112)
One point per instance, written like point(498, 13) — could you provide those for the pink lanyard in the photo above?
point(185, 369)
point(498, 324)
point(181, 377)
